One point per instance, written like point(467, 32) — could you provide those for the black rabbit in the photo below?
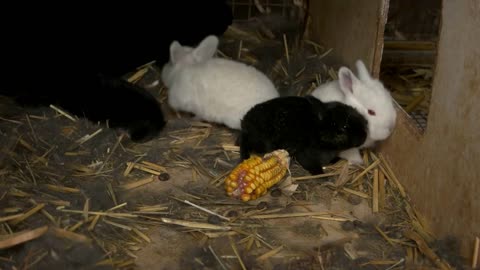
point(75, 55)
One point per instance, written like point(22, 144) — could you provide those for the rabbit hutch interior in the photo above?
point(118, 182)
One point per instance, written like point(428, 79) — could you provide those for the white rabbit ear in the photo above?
point(347, 79)
point(363, 73)
point(175, 51)
point(206, 49)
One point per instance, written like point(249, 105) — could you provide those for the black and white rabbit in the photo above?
point(311, 131)
point(369, 97)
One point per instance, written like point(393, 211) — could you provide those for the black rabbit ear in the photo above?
point(317, 105)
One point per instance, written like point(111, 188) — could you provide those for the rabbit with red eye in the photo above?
point(214, 89)
point(369, 97)
point(313, 132)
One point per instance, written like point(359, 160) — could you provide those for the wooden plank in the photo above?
point(354, 29)
point(440, 169)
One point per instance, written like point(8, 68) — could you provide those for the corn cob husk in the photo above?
point(253, 177)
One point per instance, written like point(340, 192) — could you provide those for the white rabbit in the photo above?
point(369, 96)
point(214, 89)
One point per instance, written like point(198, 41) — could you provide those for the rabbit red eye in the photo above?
point(371, 112)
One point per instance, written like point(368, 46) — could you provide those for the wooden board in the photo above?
point(354, 29)
point(441, 169)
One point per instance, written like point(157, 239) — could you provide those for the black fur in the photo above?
point(74, 54)
point(311, 131)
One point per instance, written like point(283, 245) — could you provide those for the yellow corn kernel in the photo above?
point(253, 177)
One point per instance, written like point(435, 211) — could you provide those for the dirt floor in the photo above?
point(78, 195)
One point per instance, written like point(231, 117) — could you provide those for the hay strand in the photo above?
point(80, 223)
point(111, 192)
point(113, 215)
point(11, 121)
point(375, 191)
point(206, 210)
point(62, 189)
point(290, 215)
point(381, 189)
point(270, 253)
point(71, 235)
point(216, 257)
point(49, 216)
point(356, 192)
point(27, 214)
point(63, 113)
point(138, 75)
point(34, 135)
point(88, 137)
point(142, 235)
point(7, 218)
point(426, 250)
point(234, 248)
point(475, 252)
point(92, 225)
point(154, 166)
point(240, 45)
point(116, 207)
point(231, 147)
point(364, 172)
point(317, 176)
point(388, 239)
point(331, 218)
point(343, 177)
point(145, 168)
point(391, 176)
point(396, 264)
point(118, 225)
point(195, 225)
point(21, 237)
point(285, 45)
point(115, 146)
point(139, 183)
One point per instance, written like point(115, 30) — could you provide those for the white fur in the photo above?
point(363, 93)
point(214, 89)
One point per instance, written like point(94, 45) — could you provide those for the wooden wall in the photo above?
point(354, 29)
point(440, 169)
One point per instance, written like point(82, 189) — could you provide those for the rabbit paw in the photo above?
point(353, 156)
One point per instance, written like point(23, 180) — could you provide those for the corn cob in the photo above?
point(254, 176)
